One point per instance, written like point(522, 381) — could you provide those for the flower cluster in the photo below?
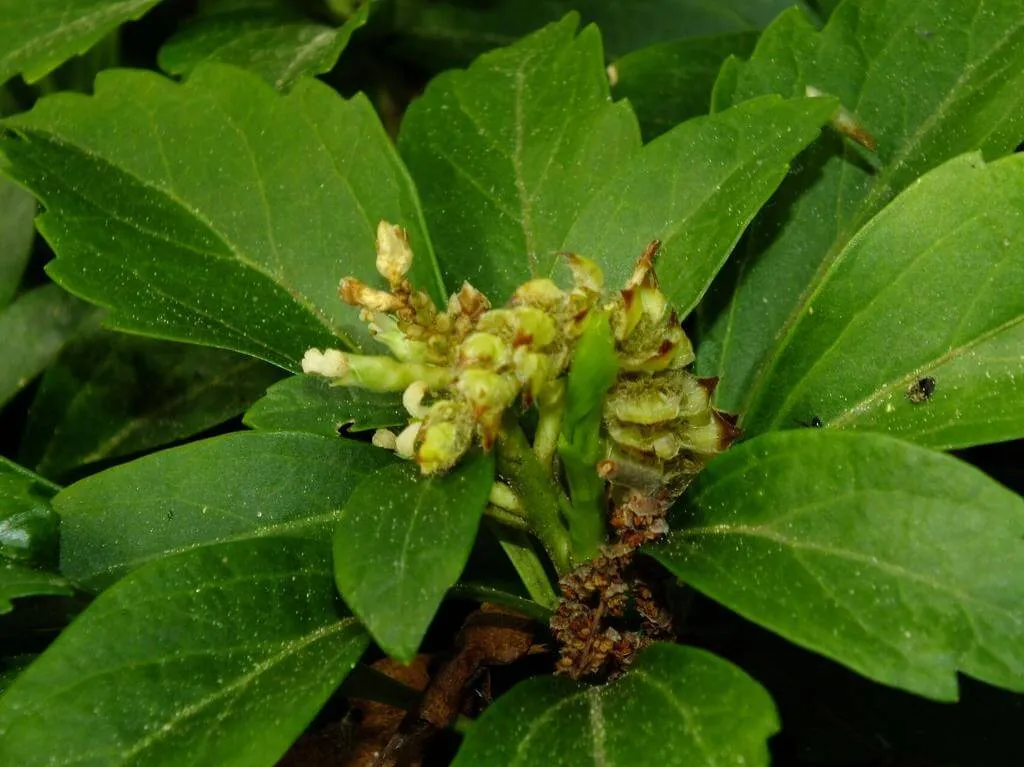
point(461, 369)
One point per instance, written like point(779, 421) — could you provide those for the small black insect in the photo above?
point(921, 390)
point(814, 423)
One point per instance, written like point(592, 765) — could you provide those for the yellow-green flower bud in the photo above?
point(485, 350)
point(541, 293)
point(445, 437)
point(654, 399)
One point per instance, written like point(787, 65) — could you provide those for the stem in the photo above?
point(367, 682)
point(520, 550)
point(519, 467)
point(480, 592)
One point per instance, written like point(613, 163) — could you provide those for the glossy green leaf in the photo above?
point(245, 485)
point(696, 188)
point(451, 33)
point(278, 45)
point(110, 395)
point(10, 667)
point(671, 82)
point(311, 404)
point(36, 37)
point(17, 208)
point(21, 581)
point(902, 563)
point(33, 330)
point(676, 706)
point(219, 656)
point(507, 153)
point(932, 286)
point(402, 542)
point(929, 80)
point(244, 252)
point(28, 525)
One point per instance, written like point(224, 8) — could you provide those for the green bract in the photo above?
point(620, 351)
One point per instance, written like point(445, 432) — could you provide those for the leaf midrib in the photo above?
point(233, 251)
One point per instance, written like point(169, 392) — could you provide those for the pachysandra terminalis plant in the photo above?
point(504, 386)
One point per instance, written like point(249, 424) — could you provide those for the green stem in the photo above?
point(480, 592)
point(519, 467)
point(519, 548)
point(367, 682)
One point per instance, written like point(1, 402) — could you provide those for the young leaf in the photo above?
point(17, 209)
point(930, 80)
point(277, 44)
point(34, 329)
point(902, 563)
point(243, 251)
point(110, 395)
point(506, 154)
point(593, 370)
point(36, 37)
point(402, 542)
point(695, 188)
point(675, 706)
point(21, 581)
point(218, 656)
point(671, 82)
point(28, 526)
point(311, 404)
point(247, 485)
point(929, 288)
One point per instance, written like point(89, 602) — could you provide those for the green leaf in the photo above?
point(311, 404)
point(36, 37)
point(10, 667)
point(245, 485)
point(17, 209)
point(695, 188)
point(402, 542)
point(219, 656)
point(930, 287)
point(930, 80)
point(676, 706)
point(592, 372)
point(28, 526)
point(244, 251)
point(507, 153)
point(451, 33)
point(34, 328)
point(671, 82)
point(902, 563)
point(21, 581)
point(110, 395)
point(280, 46)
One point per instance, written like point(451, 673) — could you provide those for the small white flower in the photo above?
point(330, 363)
